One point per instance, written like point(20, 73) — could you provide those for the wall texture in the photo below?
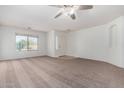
point(89, 43)
point(53, 43)
point(114, 29)
point(8, 43)
point(122, 42)
point(104, 43)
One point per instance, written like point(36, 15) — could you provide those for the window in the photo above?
point(32, 43)
point(24, 42)
point(21, 43)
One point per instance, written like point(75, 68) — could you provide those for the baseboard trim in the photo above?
point(22, 58)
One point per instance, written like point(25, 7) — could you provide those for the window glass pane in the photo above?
point(32, 43)
point(21, 43)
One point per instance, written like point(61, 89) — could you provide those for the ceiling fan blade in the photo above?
point(58, 14)
point(62, 6)
point(85, 7)
point(58, 6)
point(73, 16)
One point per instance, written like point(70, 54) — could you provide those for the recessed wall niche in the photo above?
point(113, 36)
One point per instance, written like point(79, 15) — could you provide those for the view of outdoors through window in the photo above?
point(26, 43)
point(32, 43)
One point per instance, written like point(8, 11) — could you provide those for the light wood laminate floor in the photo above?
point(40, 72)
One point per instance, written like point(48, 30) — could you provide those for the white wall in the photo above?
point(99, 43)
point(122, 41)
point(8, 43)
point(115, 41)
point(104, 43)
point(51, 44)
point(89, 43)
point(52, 51)
point(61, 43)
point(0, 44)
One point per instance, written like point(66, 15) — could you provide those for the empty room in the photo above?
point(61, 46)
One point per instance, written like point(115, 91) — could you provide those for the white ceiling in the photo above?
point(42, 17)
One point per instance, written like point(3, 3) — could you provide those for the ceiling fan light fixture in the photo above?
point(70, 10)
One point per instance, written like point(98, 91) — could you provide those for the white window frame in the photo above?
point(28, 36)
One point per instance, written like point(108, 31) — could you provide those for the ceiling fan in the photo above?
point(70, 10)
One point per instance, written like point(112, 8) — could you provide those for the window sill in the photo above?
point(27, 50)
